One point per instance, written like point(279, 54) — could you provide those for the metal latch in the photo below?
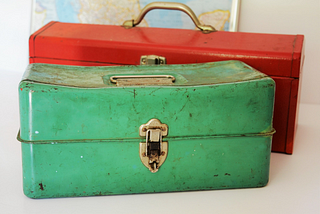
point(154, 151)
point(152, 60)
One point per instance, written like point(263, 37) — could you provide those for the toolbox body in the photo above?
point(82, 128)
point(279, 56)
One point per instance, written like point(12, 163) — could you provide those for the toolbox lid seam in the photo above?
point(270, 133)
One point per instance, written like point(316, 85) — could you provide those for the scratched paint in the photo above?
point(219, 117)
point(185, 75)
point(226, 108)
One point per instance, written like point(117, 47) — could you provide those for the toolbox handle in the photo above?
point(169, 6)
point(138, 80)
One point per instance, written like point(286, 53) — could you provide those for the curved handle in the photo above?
point(168, 6)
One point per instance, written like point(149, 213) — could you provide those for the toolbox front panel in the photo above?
point(62, 113)
point(105, 168)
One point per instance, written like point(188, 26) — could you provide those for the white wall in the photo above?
point(15, 17)
point(271, 16)
point(289, 17)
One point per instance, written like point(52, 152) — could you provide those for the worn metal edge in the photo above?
point(261, 134)
point(145, 86)
point(165, 68)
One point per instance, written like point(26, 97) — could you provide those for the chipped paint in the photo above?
point(98, 77)
point(88, 143)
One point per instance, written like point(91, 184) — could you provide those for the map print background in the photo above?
point(114, 12)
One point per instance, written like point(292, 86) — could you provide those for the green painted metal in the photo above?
point(80, 133)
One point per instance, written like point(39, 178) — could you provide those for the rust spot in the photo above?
point(177, 159)
point(163, 153)
point(41, 186)
point(144, 154)
point(163, 129)
point(144, 129)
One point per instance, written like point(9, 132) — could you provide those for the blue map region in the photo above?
point(161, 18)
point(68, 10)
point(178, 19)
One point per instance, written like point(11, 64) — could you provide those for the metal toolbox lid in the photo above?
point(59, 103)
point(89, 44)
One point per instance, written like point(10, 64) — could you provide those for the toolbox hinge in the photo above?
point(154, 151)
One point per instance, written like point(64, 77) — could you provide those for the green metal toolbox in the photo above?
point(90, 131)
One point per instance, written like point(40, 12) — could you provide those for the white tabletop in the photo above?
point(294, 185)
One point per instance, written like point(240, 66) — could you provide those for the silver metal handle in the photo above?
point(142, 80)
point(113, 79)
point(169, 6)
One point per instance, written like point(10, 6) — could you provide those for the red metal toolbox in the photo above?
point(279, 56)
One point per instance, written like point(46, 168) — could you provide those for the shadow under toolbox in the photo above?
point(139, 129)
point(279, 56)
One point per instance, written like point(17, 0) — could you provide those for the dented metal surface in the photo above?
point(185, 75)
point(219, 117)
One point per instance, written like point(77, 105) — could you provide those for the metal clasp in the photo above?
point(152, 60)
point(154, 151)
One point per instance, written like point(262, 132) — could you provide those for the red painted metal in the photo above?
point(280, 115)
point(293, 116)
point(279, 56)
